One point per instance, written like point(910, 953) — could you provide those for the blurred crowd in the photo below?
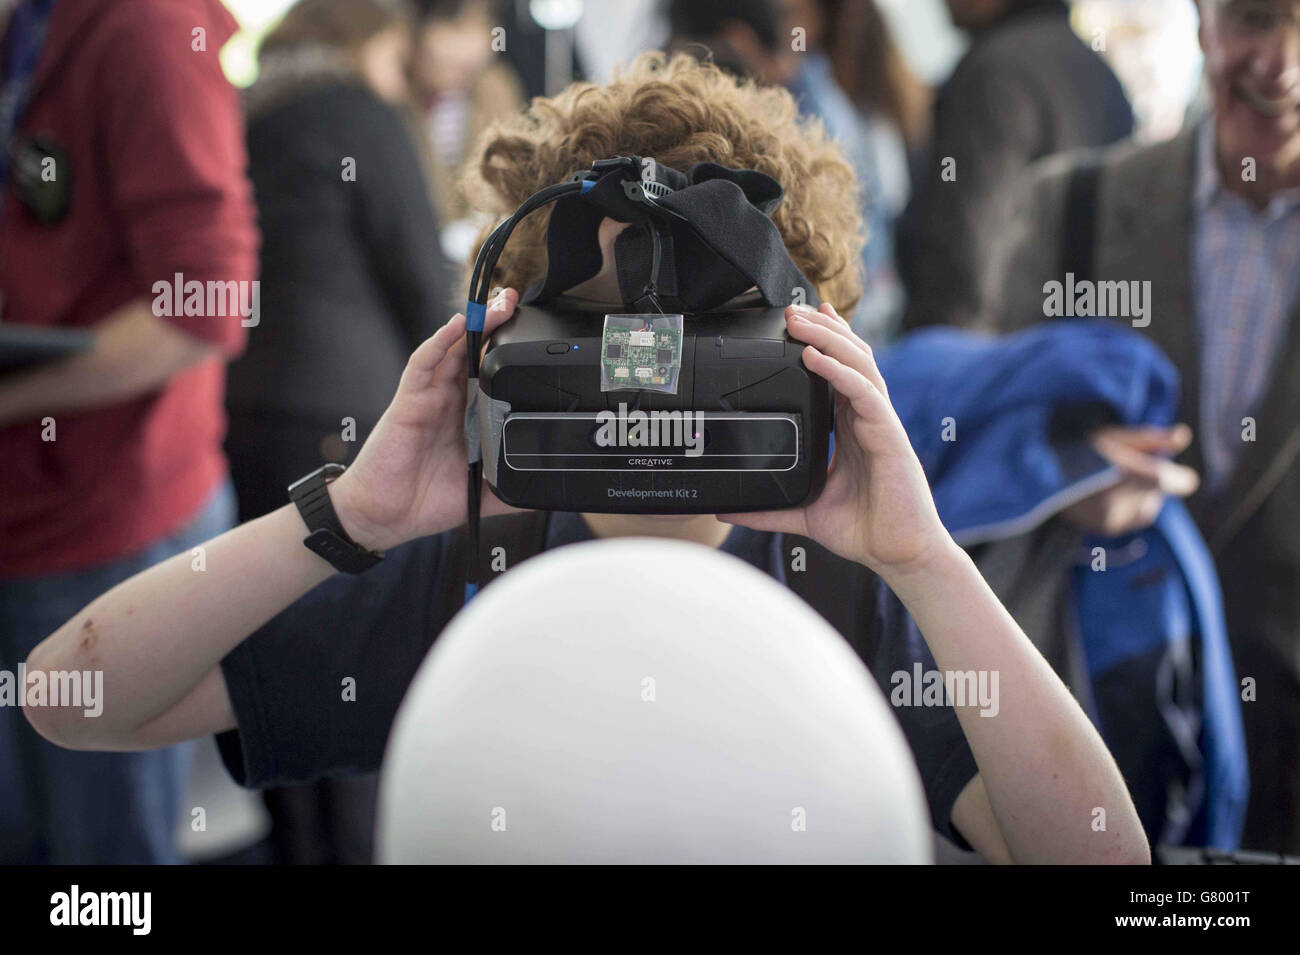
point(330, 193)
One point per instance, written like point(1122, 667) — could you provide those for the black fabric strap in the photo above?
point(729, 247)
point(716, 239)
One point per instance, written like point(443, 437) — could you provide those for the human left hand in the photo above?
point(876, 508)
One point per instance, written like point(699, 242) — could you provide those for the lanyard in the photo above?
point(19, 55)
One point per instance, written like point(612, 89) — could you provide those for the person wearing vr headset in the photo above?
point(299, 669)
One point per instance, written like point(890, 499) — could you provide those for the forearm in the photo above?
point(1045, 767)
point(157, 635)
point(135, 352)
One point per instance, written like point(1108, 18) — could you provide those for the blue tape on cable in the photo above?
point(475, 316)
point(586, 185)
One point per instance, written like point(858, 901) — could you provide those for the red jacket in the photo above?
point(133, 92)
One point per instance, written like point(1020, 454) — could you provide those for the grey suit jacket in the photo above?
point(1028, 87)
point(1143, 231)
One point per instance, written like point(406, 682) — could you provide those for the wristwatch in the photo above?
point(327, 537)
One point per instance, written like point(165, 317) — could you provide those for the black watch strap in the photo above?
point(327, 537)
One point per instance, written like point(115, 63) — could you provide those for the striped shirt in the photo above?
point(1247, 275)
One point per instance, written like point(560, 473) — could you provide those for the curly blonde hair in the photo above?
point(680, 111)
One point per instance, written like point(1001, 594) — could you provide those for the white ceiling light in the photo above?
point(556, 14)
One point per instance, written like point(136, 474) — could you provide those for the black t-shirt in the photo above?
point(287, 681)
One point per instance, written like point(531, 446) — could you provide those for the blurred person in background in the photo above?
point(1028, 87)
point(837, 59)
point(352, 281)
point(461, 86)
point(749, 38)
point(1211, 221)
point(112, 458)
point(527, 43)
point(854, 78)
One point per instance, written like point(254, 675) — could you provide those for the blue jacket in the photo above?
point(998, 425)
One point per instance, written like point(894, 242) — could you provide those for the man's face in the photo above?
point(1252, 54)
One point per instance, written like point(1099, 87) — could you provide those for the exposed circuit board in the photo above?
point(637, 357)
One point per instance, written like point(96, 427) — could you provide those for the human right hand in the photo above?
point(1148, 478)
point(409, 478)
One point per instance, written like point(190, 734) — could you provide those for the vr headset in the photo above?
point(691, 397)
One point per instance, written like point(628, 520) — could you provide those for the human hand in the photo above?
point(876, 508)
point(1148, 478)
point(409, 478)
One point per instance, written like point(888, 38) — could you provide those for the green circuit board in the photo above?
point(647, 356)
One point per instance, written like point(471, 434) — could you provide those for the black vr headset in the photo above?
point(692, 398)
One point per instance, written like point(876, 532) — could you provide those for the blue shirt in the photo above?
point(875, 150)
point(285, 681)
